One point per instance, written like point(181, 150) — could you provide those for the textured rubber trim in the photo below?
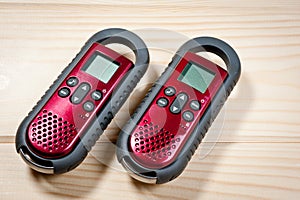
point(119, 96)
point(195, 45)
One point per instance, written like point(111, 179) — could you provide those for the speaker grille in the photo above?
point(51, 134)
point(154, 142)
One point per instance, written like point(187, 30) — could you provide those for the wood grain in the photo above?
point(251, 152)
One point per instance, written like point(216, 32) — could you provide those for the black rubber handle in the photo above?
point(127, 38)
point(216, 46)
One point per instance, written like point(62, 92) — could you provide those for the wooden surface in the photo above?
point(251, 152)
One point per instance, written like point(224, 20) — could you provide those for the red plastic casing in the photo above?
point(160, 135)
point(57, 129)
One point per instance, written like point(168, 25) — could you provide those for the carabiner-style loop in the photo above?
point(218, 47)
point(127, 38)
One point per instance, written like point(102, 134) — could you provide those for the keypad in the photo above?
point(178, 105)
point(80, 93)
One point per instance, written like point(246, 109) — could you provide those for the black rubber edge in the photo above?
point(119, 96)
point(195, 45)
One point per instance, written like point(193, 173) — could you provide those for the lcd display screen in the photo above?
point(100, 67)
point(196, 76)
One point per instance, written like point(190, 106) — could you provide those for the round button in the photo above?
point(162, 102)
point(88, 106)
point(188, 116)
point(195, 105)
point(170, 91)
point(72, 81)
point(64, 92)
point(96, 95)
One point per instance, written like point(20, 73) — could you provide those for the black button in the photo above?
point(162, 102)
point(96, 95)
point(88, 106)
point(178, 103)
point(73, 81)
point(188, 116)
point(170, 91)
point(175, 108)
point(64, 92)
point(195, 105)
point(182, 98)
point(79, 94)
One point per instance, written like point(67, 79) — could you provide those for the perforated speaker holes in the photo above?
point(51, 132)
point(155, 142)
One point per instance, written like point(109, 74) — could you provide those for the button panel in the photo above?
point(79, 94)
point(179, 103)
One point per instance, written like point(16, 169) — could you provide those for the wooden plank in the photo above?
point(250, 152)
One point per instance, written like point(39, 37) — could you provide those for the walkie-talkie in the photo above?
point(60, 130)
point(165, 130)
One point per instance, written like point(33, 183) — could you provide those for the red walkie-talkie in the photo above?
point(159, 140)
point(57, 134)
